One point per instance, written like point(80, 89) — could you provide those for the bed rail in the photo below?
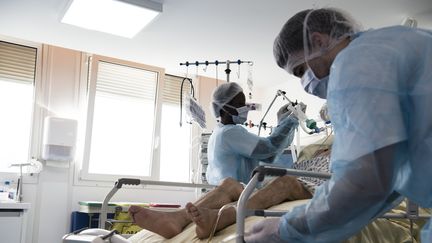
point(259, 174)
point(136, 182)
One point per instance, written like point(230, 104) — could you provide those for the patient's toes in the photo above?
point(204, 222)
point(192, 210)
point(190, 207)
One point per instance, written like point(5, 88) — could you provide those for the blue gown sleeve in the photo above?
point(262, 148)
point(367, 112)
point(281, 137)
point(355, 195)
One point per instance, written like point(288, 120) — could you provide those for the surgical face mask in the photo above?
point(242, 113)
point(313, 85)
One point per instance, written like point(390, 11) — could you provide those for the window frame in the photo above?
point(91, 95)
point(192, 131)
point(38, 112)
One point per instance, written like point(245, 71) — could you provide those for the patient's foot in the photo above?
point(166, 224)
point(205, 219)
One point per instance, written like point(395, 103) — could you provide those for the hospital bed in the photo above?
point(411, 209)
point(401, 224)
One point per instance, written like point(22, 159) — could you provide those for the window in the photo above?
point(120, 121)
point(175, 140)
point(17, 82)
point(133, 123)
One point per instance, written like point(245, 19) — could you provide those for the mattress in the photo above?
point(379, 231)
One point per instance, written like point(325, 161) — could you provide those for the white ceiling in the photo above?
point(199, 30)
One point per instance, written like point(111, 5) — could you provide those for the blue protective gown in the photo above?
point(234, 152)
point(380, 102)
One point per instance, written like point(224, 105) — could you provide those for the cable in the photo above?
point(318, 149)
point(217, 220)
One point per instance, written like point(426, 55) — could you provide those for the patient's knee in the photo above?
point(231, 186)
point(283, 181)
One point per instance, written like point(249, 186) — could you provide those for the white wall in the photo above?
point(55, 192)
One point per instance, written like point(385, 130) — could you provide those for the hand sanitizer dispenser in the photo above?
point(59, 139)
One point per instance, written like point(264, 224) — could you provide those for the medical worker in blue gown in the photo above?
point(378, 85)
point(232, 150)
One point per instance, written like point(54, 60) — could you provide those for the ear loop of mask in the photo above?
point(307, 40)
point(302, 59)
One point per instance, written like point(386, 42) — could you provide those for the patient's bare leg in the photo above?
point(205, 218)
point(281, 189)
point(169, 224)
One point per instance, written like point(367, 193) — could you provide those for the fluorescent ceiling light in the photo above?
point(112, 16)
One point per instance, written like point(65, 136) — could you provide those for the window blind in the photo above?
point(171, 91)
point(120, 80)
point(17, 63)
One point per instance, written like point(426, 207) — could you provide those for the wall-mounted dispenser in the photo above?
point(59, 139)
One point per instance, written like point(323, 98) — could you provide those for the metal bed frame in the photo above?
point(259, 174)
point(104, 222)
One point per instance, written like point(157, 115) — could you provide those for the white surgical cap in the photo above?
point(293, 45)
point(222, 95)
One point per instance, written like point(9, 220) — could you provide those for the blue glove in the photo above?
point(265, 231)
point(283, 113)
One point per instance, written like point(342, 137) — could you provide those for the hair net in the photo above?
point(293, 45)
point(222, 95)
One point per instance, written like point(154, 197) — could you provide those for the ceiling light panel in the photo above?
point(109, 16)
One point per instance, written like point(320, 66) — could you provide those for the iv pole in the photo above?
point(278, 93)
point(228, 62)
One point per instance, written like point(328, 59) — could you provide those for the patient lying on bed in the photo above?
point(204, 211)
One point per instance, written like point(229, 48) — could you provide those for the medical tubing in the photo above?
point(305, 129)
point(321, 144)
point(181, 96)
point(217, 220)
point(302, 119)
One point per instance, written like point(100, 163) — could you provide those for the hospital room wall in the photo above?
point(54, 193)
